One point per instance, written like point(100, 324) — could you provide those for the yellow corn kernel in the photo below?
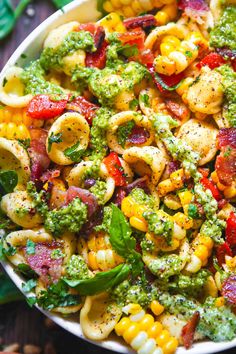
point(138, 224)
point(131, 332)
point(108, 6)
point(185, 197)
point(183, 87)
point(180, 61)
point(127, 206)
point(23, 132)
point(133, 308)
point(111, 21)
point(219, 301)
point(214, 177)
point(171, 10)
point(155, 330)
point(116, 4)
point(136, 6)
point(166, 48)
point(183, 221)
point(156, 307)
point(126, 2)
point(92, 260)
point(165, 187)
point(172, 201)
point(146, 322)
point(3, 129)
point(139, 210)
point(176, 178)
point(197, 39)
point(167, 2)
point(128, 11)
point(170, 346)
point(157, 3)
point(146, 5)
point(173, 40)
point(122, 326)
point(163, 337)
point(164, 65)
point(201, 252)
point(230, 192)
point(162, 18)
point(206, 241)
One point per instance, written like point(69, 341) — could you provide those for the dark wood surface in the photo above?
point(18, 322)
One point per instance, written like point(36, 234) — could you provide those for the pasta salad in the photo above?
point(118, 173)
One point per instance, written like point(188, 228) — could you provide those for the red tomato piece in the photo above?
point(89, 27)
point(230, 230)
point(212, 60)
point(222, 251)
point(189, 329)
point(44, 107)
point(136, 37)
point(97, 59)
point(115, 169)
point(229, 289)
point(164, 82)
point(210, 185)
point(84, 107)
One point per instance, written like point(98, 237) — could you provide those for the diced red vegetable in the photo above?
point(204, 171)
point(146, 57)
point(230, 231)
point(165, 83)
point(84, 107)
point(212, 60)
point(225, 165)
point(138, 135)
point(97, 59)
point(189, 329)
point(227, 137)
point(177, 108)
point(229, 289)
point(222, 251)
point(136, 37)
point(44, 107)
point(140, 21)
point(212, 187)
point(115, 169)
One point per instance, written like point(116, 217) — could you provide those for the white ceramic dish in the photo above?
point(83, 11)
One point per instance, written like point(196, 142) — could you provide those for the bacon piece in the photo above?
point(84, 107)
point(177, 108)
point(86, 197)
point(144, 22)
point(227, 137)
point(226, 165)
point(48, 268)
point(96, 31)
point(222, 251)
point(189, 329)
point(97, 59)
point(38, 154)
point(94, 220)
point(229, 289)
point(49, 175)
point(138, 135)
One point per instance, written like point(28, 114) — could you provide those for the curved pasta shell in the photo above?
point(146, 160)
point(206, 94)
point(12, 89)
point(13, 204)
point(201, 136)
point(69, 245)
point(99, 316)
point(73, 128)
point(122, 118)
point(71, 61)
point(57, 35)
point(14, 157)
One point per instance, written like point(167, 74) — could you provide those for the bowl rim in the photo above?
point(113, 344)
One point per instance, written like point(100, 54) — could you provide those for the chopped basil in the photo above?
point(30, 247)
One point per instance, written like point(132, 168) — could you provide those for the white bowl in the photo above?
point(83, 11)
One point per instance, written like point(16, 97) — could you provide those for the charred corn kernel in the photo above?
point(172, 201)
point(176, 178)
point(219, 301)
point(201, 252)
point(185, 197)
point(13, 131)
point(112, 21)
point(163, 337)
point(138, 224)
point(165, 187)
point(156, 307)
point(131, 332)
point(122, 326)
point(127, 206)
point(230, 192)
point(162, 18)
point(146, 322)
point(92, 261)
point(170, 346)
point(166, 48)
point(164, 65)
point(183, 221)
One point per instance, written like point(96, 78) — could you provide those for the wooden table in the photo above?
point(18, 322)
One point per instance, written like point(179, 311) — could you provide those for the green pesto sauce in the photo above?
point(124, 131)
point(98, 130)
point(189, 285)
point(99, 190)
point(70, 218)
point(223, 34)
point(159, 225)
point(76, 268)
point(166, 266)
point(229, 85)
point(125, 293)
point(106, 222)
point(80, 77)
point(141, 197)
point(33, 77)
point(52, 58)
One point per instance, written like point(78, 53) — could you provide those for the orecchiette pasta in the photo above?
point(56, 36)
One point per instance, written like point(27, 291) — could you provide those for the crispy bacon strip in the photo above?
point(140, 21)
point(189, 329)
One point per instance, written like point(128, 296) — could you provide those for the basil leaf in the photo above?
point(60, 3)
point(29, 285)
point(164, 86)
point(30, 247)
point(10, 251)
point(74, 153)
point(102, 281)
point(8, 16)
point(54, 138)
point(25, 270)
point(31, 300)
point(8, 181)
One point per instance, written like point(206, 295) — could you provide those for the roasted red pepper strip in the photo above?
point(230, 230)
point(43, 107)
point(212, 60)
point(163, 82)
point(210, 185)
point(84, 107)
point(133, 38)
point(98, 58)
point(115, 169)
point(189, 329)
point(222, 251)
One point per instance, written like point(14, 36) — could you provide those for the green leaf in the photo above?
point(8, 290)
point(26, 271)
point(10, 251)
point(60, 3)
point(8, 181)
point(102, 281)
point(164, 86)
point(74, 152)
point(31, 300)
point(29, 285)
point(30, 247)
point(8, 16)
point(54, 138)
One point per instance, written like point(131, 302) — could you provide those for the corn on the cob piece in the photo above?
point(171, 184)
point(112, 23)
point(13, 131)
point(143, 333)
point(202, 248)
